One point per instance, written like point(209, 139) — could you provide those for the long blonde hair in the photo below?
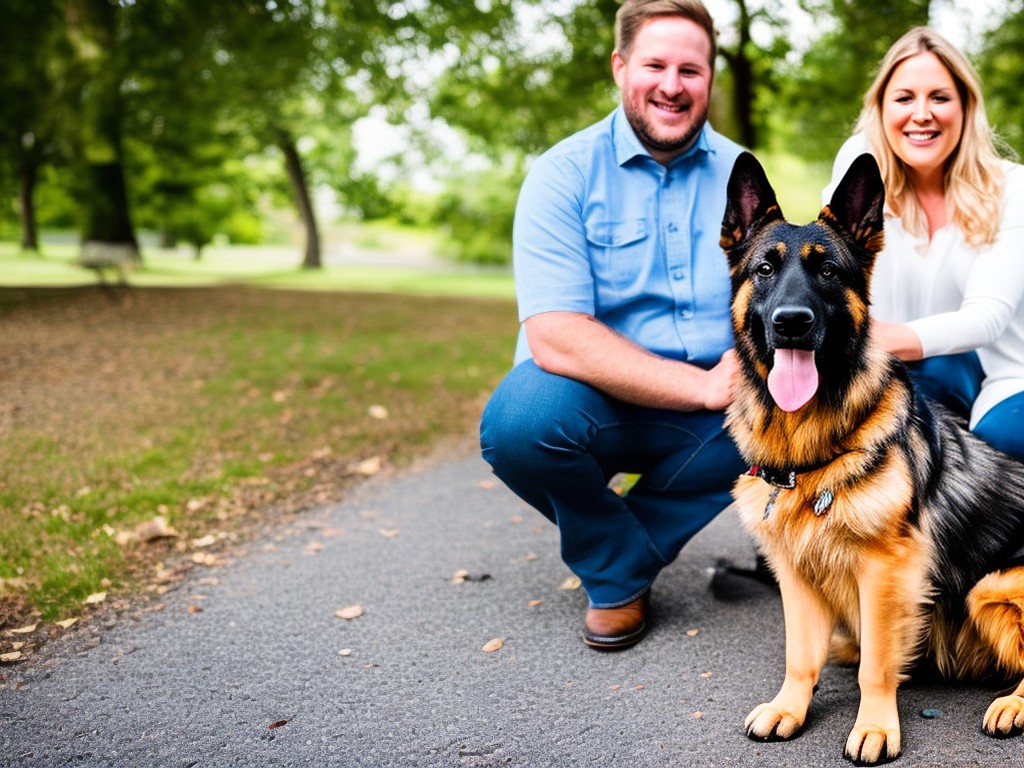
point(973, 176)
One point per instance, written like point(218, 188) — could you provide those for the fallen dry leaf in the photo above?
point(571, 582)
point(692, 632)
point(460, 576)
point(377, 412)
point(530, 556)
point(313, 547)
point(487, 485)
point(205, 541)
point(493, 645)
point(278, 724)
point(345, 652)
point(95, 598)
point(534, 603)
point(206, 558)
point(698, 715)
point(370, 466)
point(7, 658)
point(66, 623)
point(146, 532)
point(194, 609)
point(389, 533)
point(349, 612)
point(24, 630)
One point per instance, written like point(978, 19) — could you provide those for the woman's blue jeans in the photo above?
point(955, 381)
point(557, 442)
point(952, 380)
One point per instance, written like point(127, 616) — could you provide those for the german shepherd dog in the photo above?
point(884, 520)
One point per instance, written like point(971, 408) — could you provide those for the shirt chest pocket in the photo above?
point(620, 251)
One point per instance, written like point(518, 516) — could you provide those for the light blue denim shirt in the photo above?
point(603, 229)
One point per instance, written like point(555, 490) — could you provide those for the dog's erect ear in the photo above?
point(856, 205)
point(750, 203)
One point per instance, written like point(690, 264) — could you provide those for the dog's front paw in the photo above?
point(1005, 716)
point(769, 722)
point(872, 744)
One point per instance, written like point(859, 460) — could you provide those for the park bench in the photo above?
point(100, 256)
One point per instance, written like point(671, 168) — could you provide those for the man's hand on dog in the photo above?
point(722, 382)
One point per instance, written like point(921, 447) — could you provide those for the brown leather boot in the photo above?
point(616, 628)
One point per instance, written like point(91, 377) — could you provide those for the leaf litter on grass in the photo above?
point(216, 409)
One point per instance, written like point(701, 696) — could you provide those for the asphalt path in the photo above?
point(249, 665)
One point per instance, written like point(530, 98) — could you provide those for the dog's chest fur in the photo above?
point(832, 520)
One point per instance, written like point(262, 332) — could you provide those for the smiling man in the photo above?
point(623, 363)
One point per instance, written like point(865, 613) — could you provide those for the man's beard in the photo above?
point(647, 137)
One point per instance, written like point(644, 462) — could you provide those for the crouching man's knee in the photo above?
point(532, 418)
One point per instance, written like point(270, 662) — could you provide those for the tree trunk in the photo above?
point(27, 206)
point(297, 176)
point(743, 100)
point(742, 69)
point(106, 216)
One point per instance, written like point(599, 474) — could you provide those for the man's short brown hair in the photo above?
point(635, 13)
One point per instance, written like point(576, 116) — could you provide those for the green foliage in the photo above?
point(476, 213)
point(513, 93)
point(821, 95)
point(56, 206)
point(1000, 65)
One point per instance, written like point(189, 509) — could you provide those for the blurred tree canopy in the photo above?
point(1000, 64)
point(184, 117)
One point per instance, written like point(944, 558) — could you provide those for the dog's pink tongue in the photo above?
point(793, 379)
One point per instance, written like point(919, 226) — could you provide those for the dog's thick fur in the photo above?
point(883, 519)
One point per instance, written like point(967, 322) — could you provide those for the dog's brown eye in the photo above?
point(827, 270)
point(764, 269)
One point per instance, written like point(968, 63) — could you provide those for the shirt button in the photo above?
point(677, 275)
point(673, 228)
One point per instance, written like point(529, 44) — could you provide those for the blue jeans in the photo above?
point(1003, 426)
point(557, 442)
point(955, 381)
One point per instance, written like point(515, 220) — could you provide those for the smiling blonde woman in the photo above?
point(948, 289)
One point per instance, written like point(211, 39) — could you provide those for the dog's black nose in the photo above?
point(792, 322)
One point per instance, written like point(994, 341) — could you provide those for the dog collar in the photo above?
point(785, 479)
point(780, 478)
